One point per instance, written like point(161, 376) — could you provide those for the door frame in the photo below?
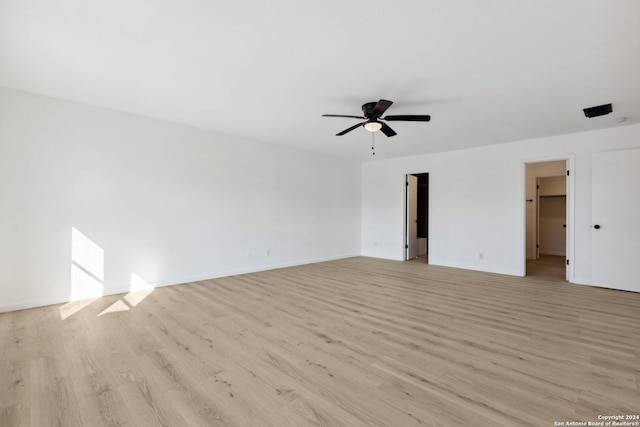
point(404, 212)
point(570, 159)
point(411, 195)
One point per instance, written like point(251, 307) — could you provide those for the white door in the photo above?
point(412, 216)
point(615, 227)
point(567, 223)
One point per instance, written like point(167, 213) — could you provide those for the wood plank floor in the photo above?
point(547, 265)
point(352, 342)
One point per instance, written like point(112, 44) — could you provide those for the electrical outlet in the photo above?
point(480, 255)
point(267, 252)
point(248, 255)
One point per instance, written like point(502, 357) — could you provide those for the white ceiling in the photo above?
point(487, 71)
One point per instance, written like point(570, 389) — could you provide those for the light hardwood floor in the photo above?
point(352, 342)
point(547, 265)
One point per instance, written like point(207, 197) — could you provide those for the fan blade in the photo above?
point(340, 115)
point(350, 129)
point(410, 118)
point(387, 130)
point(381, 107)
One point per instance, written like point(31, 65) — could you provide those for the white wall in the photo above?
point(477, 200)
point(534, 171)
point(165, 202)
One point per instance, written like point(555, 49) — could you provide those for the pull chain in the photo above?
point(373, 145)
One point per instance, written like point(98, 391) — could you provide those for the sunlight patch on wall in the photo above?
point(87, 279)
point(84, 285)
point(140, 289)
point(87, 254)
point(87, 274)
point(87, 267)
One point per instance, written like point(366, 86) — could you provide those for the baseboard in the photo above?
point(174, 281)
point(506, 272)
point(32, 304)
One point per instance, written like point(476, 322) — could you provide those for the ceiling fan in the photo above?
point(373, 112)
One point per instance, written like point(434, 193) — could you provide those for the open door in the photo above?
point(615, 230)
point(411, 238)
point(547, 218)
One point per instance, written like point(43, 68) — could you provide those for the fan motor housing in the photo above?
point(367, 109)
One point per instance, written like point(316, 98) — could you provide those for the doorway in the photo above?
point(416, 232)
point(547, 219)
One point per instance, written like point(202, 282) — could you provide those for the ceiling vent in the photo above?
point(600, 110)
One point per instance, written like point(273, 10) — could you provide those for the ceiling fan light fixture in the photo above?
point(372, 114)
point(373, 126)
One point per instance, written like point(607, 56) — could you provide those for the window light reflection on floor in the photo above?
point(139, 290)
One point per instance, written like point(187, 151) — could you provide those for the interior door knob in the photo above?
point(597, 227)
